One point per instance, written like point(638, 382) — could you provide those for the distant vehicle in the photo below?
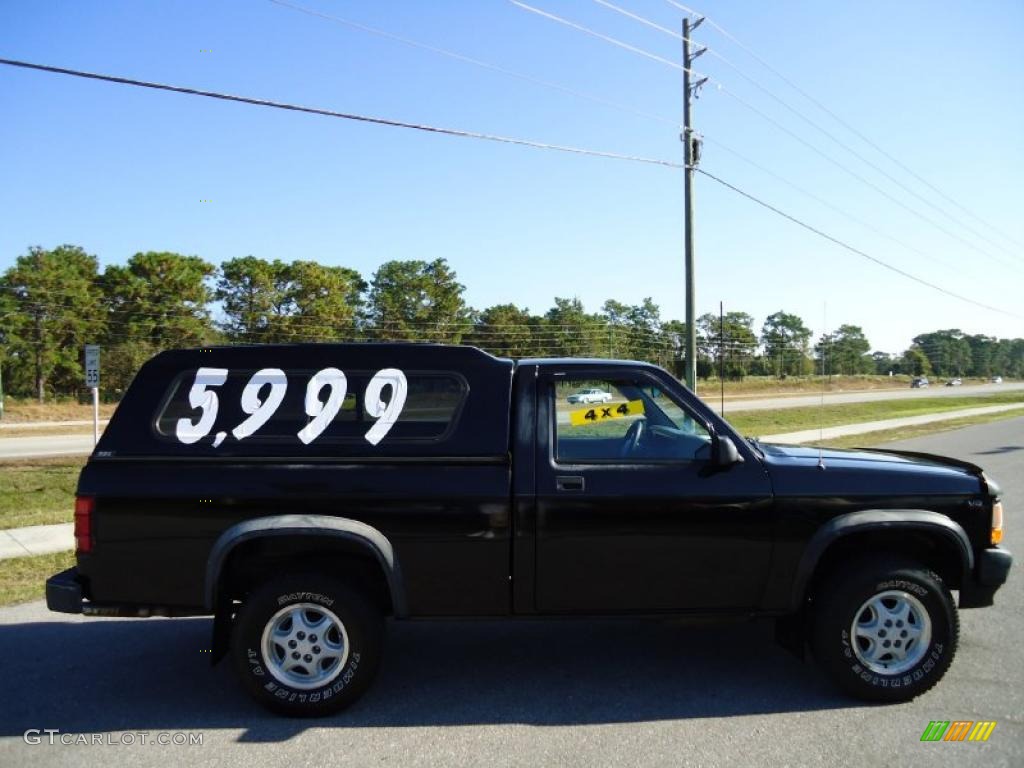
point(954, 383)
point(997, 379)
point(919, 382)
point(591, 396)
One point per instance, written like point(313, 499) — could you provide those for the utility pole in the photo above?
point(691, 156)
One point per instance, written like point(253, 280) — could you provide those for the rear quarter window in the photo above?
point(268, 407)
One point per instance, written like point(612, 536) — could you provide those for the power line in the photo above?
point(559, 87)
point(605, 38)
point(830, 206)
point(826, 133)
point(850, 172)
point(850, 248)
point(725, 33)
point(663, 119)
point(465, 134)
point(474, 61)
point(341, 115)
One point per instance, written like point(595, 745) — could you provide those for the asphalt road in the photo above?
point(530, 693)
point(38, 446)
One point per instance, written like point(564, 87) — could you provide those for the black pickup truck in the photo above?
point(300, 494)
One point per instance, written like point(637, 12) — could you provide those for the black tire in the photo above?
point(853, 660)
point(344, 678)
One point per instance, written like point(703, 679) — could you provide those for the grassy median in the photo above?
point(38, 491)
point(782, 420)
point(24, 578)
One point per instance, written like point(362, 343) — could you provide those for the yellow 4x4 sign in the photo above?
point(604, 412)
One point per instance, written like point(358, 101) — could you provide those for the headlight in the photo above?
point(997, 522)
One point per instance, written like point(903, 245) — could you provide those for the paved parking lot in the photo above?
point(589, 693)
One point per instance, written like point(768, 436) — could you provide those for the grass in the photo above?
point(24, 578)
point(771, 422)
point(38, 491)
point(874, 439)
point(24, 409)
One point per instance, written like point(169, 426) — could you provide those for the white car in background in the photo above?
point(590, 396)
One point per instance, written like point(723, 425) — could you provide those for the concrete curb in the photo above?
point(36, 540)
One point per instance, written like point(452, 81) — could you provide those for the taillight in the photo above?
point(84, 507)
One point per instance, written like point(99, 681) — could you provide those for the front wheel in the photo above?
point(885, 630)
point(306, 645)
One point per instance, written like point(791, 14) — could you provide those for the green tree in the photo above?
point(505, 330)
point(984, 355)
point(634, 331)
point(847, 351)
point(54, 310)
point(883, 362)
point(673, 334)
point(120, 362)
point(916, 363)
point(726, 342)
point(322, 303)
point(160, 299)
point(786, 343)
point(1012, 357)
point(254, 296)
point(948, 351)
point(569, 331)
point(273, 301)
point(417, 300)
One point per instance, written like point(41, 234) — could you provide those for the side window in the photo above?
point(623, 420)
point(303, 407)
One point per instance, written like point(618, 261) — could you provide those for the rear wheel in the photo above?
point(885, 629)
point(307, 645)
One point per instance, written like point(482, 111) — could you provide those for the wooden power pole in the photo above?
point(691, 156)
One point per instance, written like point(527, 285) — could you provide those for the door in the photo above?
point(632, 515)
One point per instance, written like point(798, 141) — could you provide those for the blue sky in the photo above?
point(936, 84)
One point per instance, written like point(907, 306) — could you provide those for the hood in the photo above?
point(869, 471)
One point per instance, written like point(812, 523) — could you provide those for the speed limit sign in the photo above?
point(92, 365)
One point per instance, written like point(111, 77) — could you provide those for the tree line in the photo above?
point(53, 302)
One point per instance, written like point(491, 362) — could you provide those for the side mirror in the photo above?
point(726, 454)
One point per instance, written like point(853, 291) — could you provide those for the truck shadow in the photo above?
point(99, 675)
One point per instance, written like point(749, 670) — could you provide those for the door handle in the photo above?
point(569, 483)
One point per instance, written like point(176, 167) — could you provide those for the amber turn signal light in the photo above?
point(997, 522)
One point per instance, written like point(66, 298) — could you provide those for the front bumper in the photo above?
point(990, 573)
point(64, 592)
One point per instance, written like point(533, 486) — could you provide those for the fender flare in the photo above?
point(851, 523)
point(366, 536)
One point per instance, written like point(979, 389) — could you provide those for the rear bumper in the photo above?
point(64, 592)
point(990, 573)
